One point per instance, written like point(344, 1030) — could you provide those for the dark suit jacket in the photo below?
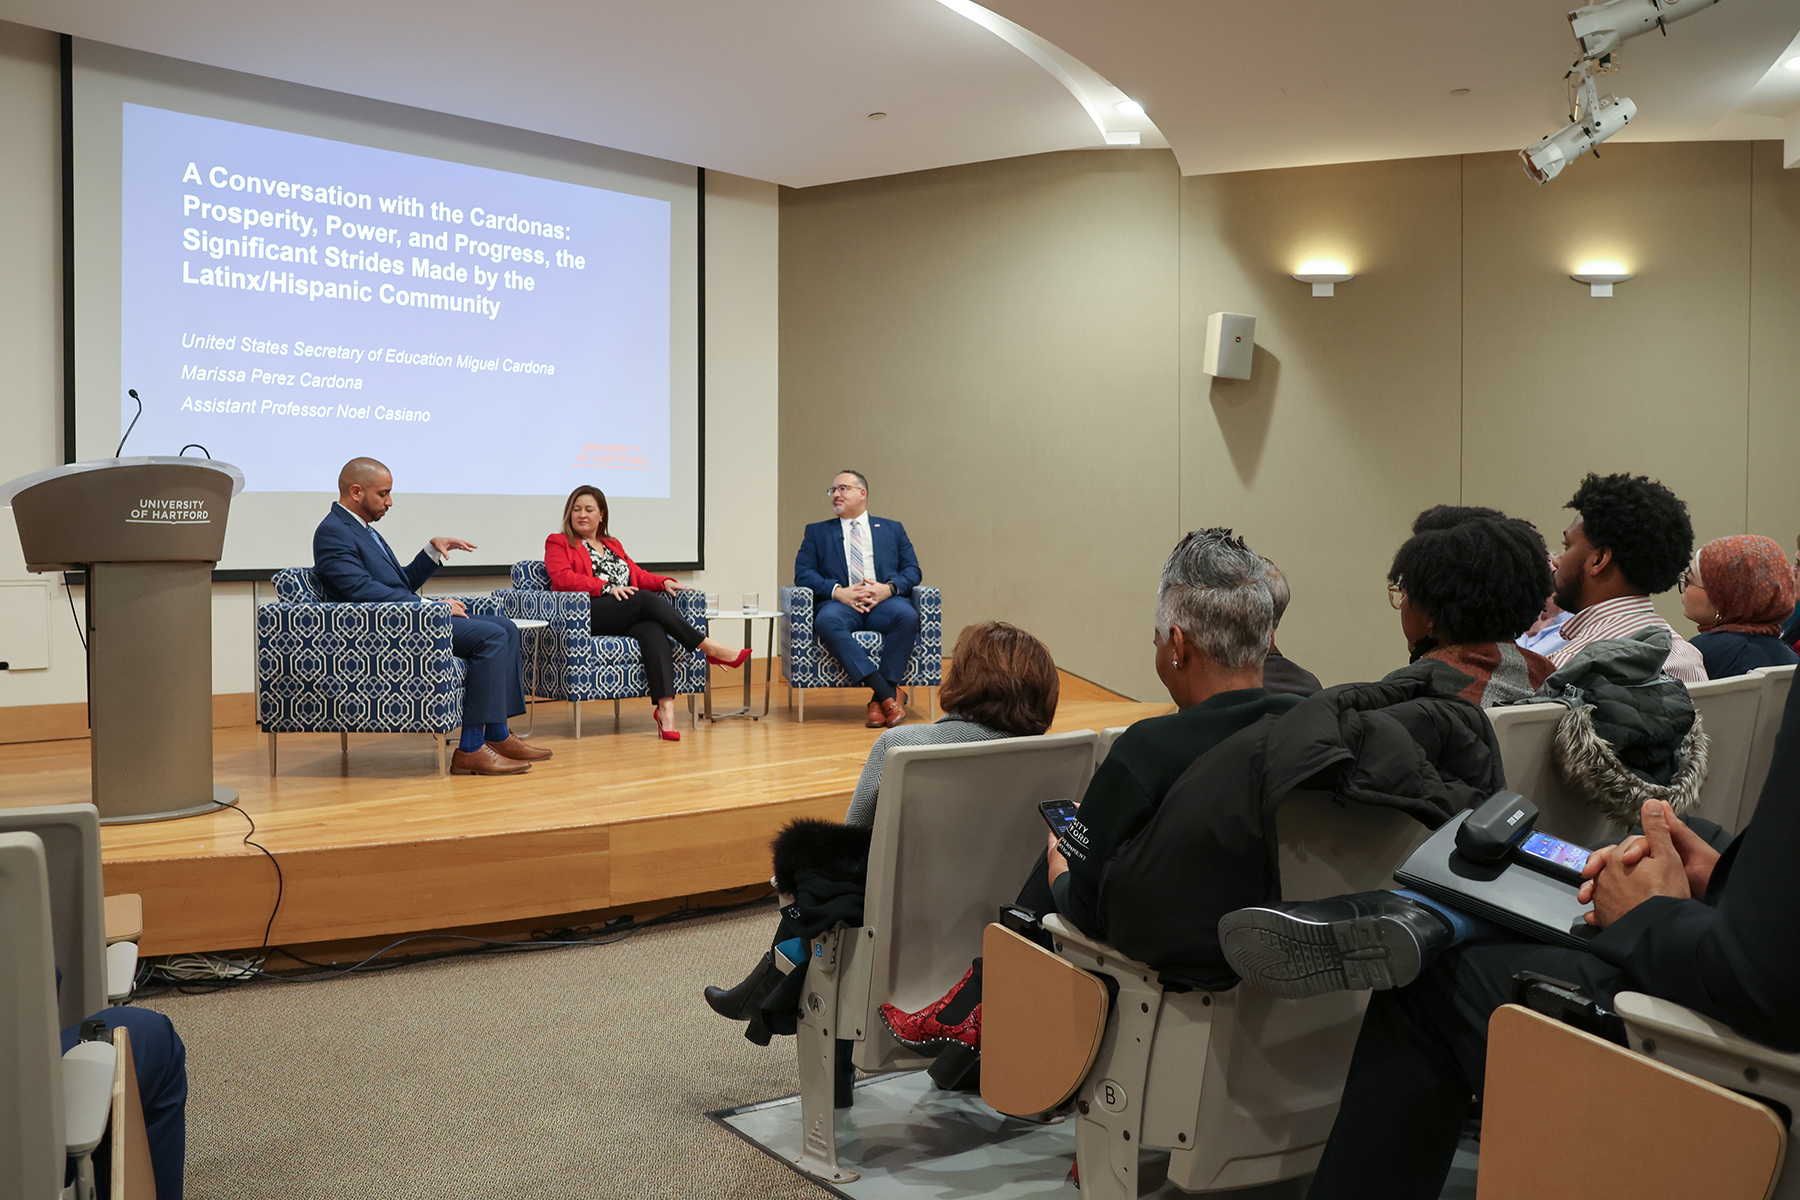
point(1283, 674)
point(1736, 954)
point(821, 565)
point(351, 566)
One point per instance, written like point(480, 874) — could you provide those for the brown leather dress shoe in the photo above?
point(485, 762)
point(877, 718)
point(892, 713)
point(519, 751)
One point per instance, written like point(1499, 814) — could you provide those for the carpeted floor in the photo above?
point(575, 1073)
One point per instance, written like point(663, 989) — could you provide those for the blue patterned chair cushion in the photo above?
point(566, 662)
point(808, 664)
point(357, 668)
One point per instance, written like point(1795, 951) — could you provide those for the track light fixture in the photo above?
point(1600, 29)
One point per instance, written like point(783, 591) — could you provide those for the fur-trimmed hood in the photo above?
point(1594, 771)
point(836, 852)
point(1631, 733)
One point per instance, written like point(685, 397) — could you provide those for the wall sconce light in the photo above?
point(1600, 277)
point(1322, 273)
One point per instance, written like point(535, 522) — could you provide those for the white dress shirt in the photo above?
point(868, 545)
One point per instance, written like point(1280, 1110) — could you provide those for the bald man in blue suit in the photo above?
point(354, 564)
point(861, 570)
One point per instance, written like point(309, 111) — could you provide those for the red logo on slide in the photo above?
point(612, 456)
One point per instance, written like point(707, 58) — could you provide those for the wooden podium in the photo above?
point(147, 531)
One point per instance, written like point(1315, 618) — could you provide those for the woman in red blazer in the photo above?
point(627, 599)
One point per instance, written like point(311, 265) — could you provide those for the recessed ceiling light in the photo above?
point(877, 116)
point(1459, 91)
point(1130, 108)
point(1792, 64)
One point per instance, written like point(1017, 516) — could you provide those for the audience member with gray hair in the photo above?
point(1214, 618)
point(1281, 673)
point(1214, 621)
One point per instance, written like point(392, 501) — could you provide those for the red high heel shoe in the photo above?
point(742, 658)
point(922, 1030)
point(668, 735)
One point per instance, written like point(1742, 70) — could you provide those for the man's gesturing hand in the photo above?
point(445, 545)
point(1619, 878)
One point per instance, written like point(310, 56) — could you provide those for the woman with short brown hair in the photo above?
point(1001, 683)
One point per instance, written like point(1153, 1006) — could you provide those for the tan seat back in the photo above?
point(1778, 682)
point(1728, 711)
point(31, 1092)
point(1527, 737)
point(957, 829)
point(71, 837)
point(1569, 1115)
point(1275, 1068)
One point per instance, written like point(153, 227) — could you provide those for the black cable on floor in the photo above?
point(280, 882)
point(538, 940)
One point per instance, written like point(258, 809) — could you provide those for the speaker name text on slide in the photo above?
point(290, 302)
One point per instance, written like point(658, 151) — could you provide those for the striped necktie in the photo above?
point(859, 570)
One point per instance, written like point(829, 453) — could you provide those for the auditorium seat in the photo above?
point(1239, 1086)
point(1777, 682)
point(567, 662)
point(956, 831)
point(54, 1107)
point(329, 667)
point(1728, 711)
point(807, 664)
point(1527, 737)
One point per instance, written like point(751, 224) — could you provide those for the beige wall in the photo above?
point(742, 238)
point(1016, 345)
point(993, 346)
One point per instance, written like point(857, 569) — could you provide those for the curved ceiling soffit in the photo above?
point(1118, 126)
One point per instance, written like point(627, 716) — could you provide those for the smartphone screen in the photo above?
point(1553, 856)
point(1058, 814)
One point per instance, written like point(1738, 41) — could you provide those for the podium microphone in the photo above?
point(132, 392)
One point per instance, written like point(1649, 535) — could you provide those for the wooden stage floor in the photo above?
point(617, 818)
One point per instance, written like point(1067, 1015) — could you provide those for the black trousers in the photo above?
point(1421, 1056)
point(649, 619)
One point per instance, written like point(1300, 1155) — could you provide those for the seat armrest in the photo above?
point(1664, 1020)
point(87, 1071)
point(1064, 931)
point(124, 917)
point(121, 970)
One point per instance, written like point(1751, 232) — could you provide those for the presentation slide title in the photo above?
point(289, 302)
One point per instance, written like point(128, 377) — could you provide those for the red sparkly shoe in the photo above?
point(922, 1030)
point(928, 1033)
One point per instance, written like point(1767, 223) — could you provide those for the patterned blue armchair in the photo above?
point(325, 667)
point(807, 664)
point(567, 662)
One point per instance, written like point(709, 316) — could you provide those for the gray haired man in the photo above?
point(1214, 619)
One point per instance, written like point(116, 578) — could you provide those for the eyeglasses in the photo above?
point(1686, 581)
point(1396, 594)
point(845, 488)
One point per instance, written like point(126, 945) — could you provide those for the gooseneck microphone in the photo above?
point(132, 392)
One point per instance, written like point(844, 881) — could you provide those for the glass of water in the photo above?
point(752, 602)
point(712, 604)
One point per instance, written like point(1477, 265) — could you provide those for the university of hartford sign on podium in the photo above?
point(148, 532)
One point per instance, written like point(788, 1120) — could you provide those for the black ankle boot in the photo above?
point(743, 1001)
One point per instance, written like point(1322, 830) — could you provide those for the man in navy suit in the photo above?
point(354, 564)
point(861, 569)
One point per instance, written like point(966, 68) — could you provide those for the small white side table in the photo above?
point(727, 614)
point(536, 629)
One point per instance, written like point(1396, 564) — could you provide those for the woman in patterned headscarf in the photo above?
point(1739, 590)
